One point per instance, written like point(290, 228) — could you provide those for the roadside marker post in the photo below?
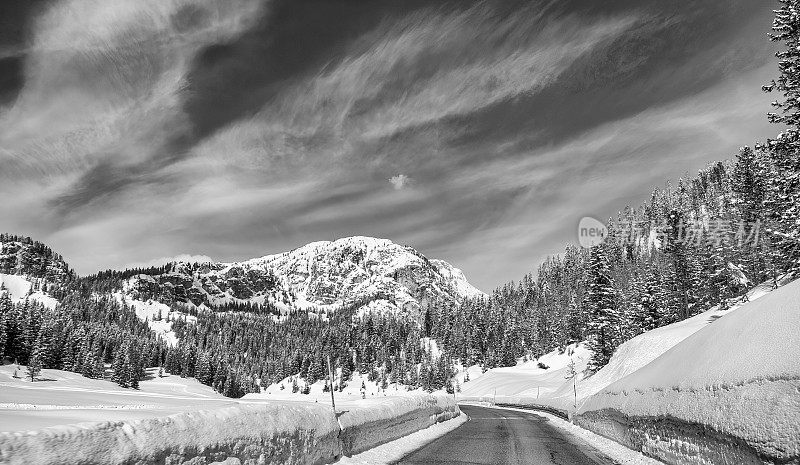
point(330, 375)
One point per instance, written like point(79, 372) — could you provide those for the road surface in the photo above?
point(496, 436)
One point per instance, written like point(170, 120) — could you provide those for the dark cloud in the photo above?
point(16, 17)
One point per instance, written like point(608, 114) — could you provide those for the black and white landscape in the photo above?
point(357, 232)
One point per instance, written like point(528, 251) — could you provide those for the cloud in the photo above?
point(510, 119)
point(104, 82)
point(600, 171)
point(399, 181)
point(418, 71)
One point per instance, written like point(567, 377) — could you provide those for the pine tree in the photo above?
point(786, 29)
point(3, 334)
point(678, 248)
point(784, 202)
point(34, 368)
point(651, 302)
point(120, 366)
point(602, 306)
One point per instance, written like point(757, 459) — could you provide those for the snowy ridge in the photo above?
point(364, 273)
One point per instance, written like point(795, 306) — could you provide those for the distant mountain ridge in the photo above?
point(361, 273)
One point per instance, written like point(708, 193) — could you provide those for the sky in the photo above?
point(478, 132)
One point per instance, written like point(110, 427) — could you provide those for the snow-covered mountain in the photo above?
point(25, 257)
point(361, 273)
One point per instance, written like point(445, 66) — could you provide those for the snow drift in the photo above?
point(288, 432)
point(726, 394)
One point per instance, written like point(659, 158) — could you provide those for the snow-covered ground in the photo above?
point(176, 420)
point(63, 397)
point(19, 288)
point(739, 378)
point(352, 390)
point(527, 383)
point(156, 314)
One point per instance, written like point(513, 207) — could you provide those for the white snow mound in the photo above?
point(739, 376)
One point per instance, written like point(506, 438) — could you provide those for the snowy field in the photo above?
point(63, 397)
point(528, 380)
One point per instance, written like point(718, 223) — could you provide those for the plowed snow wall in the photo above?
point(672, 440)
point(368, 428)
point(256, 433)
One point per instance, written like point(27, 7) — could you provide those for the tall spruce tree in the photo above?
point(784, 196)
point(602, 306)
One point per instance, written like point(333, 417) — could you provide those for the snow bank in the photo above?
point(394, 451)
point(383, 420)
point(728, 393)
point(288, 432)
point(282, 433)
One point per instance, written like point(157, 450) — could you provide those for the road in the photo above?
point(496, 436)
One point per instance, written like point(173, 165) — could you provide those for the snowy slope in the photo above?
point(526, 383)
point(643, 349)
point(64, 397)
point(156, 314)
point(364, 273)
point(738, 377)
point(19, 288)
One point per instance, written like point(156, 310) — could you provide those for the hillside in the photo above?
point(529, 383)
point(362, 273)
point(23, 256)
point(366, 303)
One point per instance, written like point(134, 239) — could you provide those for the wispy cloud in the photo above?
point(494, 123)
point(103, 81)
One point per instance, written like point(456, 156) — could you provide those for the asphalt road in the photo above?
point(496, 436)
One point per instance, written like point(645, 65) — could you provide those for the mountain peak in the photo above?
point(359, 272)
